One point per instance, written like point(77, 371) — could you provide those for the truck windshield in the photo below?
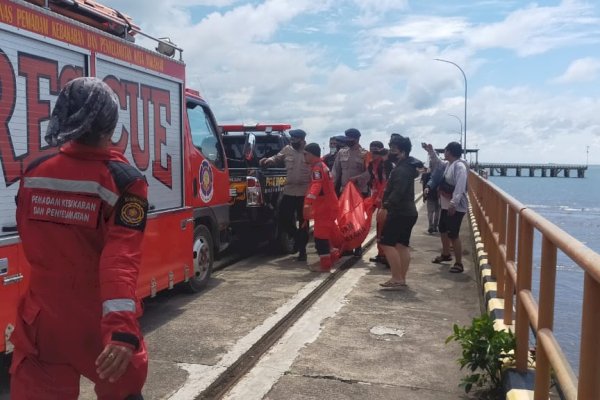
point(204, 134)
point(266, 146)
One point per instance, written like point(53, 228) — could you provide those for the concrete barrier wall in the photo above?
point(517, 386)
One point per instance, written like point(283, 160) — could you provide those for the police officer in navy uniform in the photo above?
point(350, 165)
point(298, 178)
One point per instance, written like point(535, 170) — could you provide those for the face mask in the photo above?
point(351, 143)
point(333, 149)
point(296, 145)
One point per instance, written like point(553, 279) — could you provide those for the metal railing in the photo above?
point(507, 230)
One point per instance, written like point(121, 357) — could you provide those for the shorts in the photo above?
point(397, 229)
point(450, 224)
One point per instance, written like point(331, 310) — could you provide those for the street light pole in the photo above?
point(587, 155)
point(465, 78)
point(461, 126)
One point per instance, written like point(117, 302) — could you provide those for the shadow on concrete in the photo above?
point(407, 295)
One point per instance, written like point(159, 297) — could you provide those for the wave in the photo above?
point(563, 267)
point(568, 208)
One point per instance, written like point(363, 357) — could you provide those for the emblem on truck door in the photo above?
point(206, 181)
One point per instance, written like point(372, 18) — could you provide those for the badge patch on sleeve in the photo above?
point(131, 212)
point(316, 175)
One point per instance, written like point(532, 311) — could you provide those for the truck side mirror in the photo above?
point(249, 144)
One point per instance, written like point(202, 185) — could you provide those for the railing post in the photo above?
point(525, 254)
point(489, 232)
point(589, 364)
point(500, 228)
point(509, 285)
point(546, 317)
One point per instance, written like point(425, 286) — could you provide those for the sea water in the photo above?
point(572, 204)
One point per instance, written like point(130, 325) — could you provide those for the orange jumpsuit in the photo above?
point(81, 214)
point(379, 178)
point(321, 198)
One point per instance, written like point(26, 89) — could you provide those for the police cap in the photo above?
point(297, 133)
point(341, 139)
point(352, 133)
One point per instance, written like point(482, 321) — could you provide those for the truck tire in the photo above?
point(203, 259)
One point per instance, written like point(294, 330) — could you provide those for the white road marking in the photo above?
point(257, 383)
point(201, 376)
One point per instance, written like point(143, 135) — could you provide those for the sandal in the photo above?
point(393, 285)
point(440, 259)
point(456, 268)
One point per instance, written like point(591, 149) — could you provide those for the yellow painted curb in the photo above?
point(519, 394)
point(490, 286)
point(499, 325)
point(495, 304)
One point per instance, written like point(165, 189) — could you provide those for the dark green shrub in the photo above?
point(485, 351)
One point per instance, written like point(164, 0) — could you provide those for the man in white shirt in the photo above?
point(453, 200)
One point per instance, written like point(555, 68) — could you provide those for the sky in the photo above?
point(532, 69)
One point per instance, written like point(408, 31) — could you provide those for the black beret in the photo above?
point(352, 133)
point(297, 133)
point(313, 149)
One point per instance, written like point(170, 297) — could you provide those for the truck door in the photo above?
point(209, 178)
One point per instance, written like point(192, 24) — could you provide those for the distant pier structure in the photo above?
point(545, 170)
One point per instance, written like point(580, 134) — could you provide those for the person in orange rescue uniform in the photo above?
point(321, 204)
point(379, 170)
point(81, 215)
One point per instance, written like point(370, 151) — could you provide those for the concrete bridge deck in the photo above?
point(357, 342)
point(545, 170)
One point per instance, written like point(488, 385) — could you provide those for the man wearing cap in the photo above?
point(79, 314)
point(350, 165)
point(321, 204)
point(298, 177)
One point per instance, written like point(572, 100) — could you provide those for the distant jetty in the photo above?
point(543, 170)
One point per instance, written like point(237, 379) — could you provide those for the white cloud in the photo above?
point(581, 70)
point(535, 29)
point(527, 31)
point(381, 6)
point(235, 58)
point(425, 29)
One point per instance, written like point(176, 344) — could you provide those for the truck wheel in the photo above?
point(203, 259)
point(285, 242)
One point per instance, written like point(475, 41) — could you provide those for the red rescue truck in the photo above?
point(168, 132)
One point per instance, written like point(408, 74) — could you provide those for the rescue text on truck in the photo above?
point(166, 131)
